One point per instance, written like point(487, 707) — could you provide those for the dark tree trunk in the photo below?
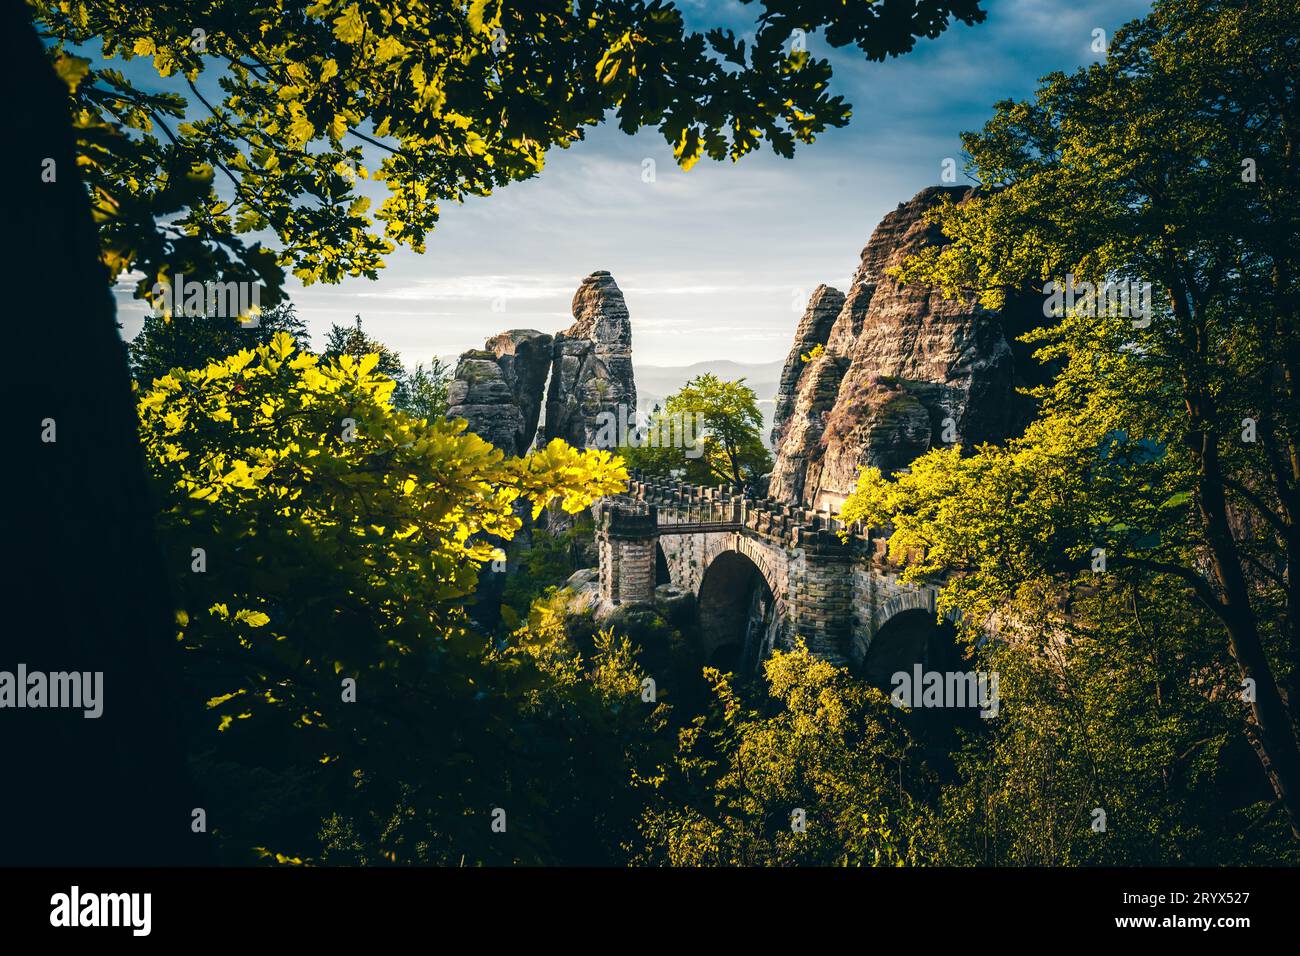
point(85, 588)
point(1273, 734)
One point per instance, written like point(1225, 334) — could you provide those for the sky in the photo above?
point(718, 262)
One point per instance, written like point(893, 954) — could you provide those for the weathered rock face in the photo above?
point(498, 389)
point(481, 395)
point(798, 460)
point(591, 370)
point(904, 369)
point(525, 359)
point(814, 328)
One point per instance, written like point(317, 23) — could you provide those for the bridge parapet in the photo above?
point(681, 502)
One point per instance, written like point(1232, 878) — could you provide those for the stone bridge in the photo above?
point(764, 574)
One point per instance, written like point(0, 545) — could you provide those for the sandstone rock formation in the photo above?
point(499, 388)
point(813, 330)
point(903, 369)
point(480, 394)
point(592, 368)
point(525, 359)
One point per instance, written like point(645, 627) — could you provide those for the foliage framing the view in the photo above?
point(328, 536)
point(1167, 450)
point(290, 105)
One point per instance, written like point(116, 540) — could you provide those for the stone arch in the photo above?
point(917, 599)
point(909, 633)
point(738, 612)
point(911, 638)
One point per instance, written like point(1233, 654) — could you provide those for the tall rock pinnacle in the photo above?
point(813, 330)
point(591, 371)
point(498, 388)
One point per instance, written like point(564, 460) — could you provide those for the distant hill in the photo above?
point(654, 383)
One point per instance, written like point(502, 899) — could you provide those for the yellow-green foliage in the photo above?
point(276, 100)
point(826, 744)
point(341, 538)
point(1074, 543)
point(318, 449)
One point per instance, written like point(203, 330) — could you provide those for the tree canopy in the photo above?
point(321, 536)
point(1168, 448)
point(721, 423)
point(183, 341)
point(275, 112)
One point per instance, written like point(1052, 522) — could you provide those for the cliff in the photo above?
point(902, 369)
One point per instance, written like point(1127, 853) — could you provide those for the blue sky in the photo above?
point(716, 263)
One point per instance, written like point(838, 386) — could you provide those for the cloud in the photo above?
point(470, 287)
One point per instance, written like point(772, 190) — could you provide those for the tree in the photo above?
point(290, 103)
point(423, 392)
point(181, 341)
point(548, 558)
point(352, 340)
point(579, 731)
point(90, 592)
point(823, 774)
point(1169, 446)
point(1120, 706)
point(721, 425)
point(323, 547)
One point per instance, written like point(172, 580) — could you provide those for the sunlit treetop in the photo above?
point(280, 423)
point(285, 100)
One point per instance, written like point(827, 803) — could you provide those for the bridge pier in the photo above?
point(821, 584)
point(626, 540)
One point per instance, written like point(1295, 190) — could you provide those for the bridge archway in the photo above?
point(737, 613)
point(662, 574)
point(909, 637)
